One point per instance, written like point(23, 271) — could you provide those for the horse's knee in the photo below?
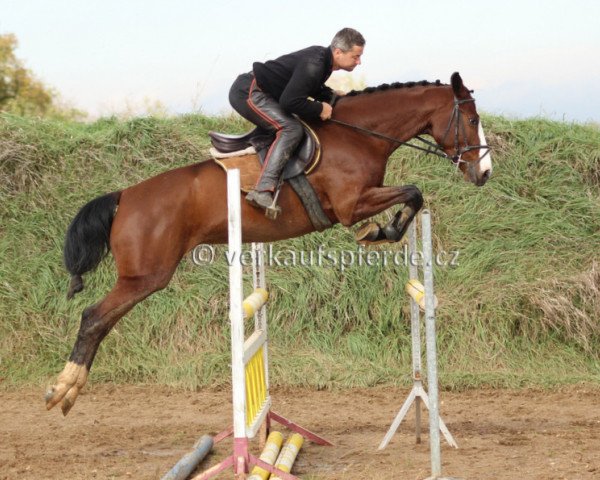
point(418, 200)
point(416, 197)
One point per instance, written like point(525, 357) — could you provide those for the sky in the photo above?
point(523, 58)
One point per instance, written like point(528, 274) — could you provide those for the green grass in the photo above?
point(522, 307)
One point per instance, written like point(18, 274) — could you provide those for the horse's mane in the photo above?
point(395, 85)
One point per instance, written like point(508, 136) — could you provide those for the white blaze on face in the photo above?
point(486, 162)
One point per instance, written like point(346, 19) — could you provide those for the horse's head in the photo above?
point(457, 130)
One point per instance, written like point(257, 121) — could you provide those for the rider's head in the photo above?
point(347, 47)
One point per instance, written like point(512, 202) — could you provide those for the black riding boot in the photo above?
point(260, 199)
point(279, 153)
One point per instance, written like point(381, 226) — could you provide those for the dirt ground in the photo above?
point(126, 432)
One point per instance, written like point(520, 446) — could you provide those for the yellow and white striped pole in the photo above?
point(417, 292)
point(253, 302)
point(288, 454)
point(268, 455)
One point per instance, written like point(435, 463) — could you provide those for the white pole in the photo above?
point(236, 296)
point(415, 324)
point(432, 380)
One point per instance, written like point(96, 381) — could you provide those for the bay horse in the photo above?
point(150, 226)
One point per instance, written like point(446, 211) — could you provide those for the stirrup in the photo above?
point(273, 210)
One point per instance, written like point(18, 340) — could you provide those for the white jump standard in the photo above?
point(249, 357)
point(418, 393)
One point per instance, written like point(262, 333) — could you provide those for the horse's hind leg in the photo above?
point(96, 322)
point(375, 200)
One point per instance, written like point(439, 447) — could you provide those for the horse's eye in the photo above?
point(473, 121)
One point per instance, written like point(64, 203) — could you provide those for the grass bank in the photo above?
point(521, 307)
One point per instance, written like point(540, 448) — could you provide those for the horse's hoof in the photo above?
point(66, 406)
point(49, 395)
point(52, 397)
point(367, 232)
point(67, 388)
point(371, 234)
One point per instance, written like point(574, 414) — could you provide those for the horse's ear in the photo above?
point(457, 83)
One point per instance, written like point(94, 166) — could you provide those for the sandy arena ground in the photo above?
point(116, 432)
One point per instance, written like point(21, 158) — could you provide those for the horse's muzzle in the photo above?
point(475, 174)
point(484, 178)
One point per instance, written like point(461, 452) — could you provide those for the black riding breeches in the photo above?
point(264, 111)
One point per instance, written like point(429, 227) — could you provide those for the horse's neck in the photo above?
point(401, 114)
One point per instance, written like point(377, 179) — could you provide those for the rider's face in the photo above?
point(347, 60)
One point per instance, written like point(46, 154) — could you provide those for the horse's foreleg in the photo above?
point(378, 199)
point(96, 322)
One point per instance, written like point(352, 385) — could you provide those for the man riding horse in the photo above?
point(150, 226)
point(294, 84)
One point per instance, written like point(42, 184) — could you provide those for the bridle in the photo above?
point(433, 148)
point(458, 150)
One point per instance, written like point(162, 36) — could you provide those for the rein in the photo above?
point(432, 148)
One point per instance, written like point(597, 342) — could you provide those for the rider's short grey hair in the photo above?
point(347, 38)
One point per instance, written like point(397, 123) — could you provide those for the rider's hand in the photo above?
point(326, 112)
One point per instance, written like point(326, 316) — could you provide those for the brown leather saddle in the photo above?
point(247, 152)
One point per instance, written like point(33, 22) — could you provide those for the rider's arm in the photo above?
point(304, 83)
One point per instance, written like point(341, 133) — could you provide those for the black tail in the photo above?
point(88, 238)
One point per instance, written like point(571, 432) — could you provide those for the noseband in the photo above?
point(434, 148)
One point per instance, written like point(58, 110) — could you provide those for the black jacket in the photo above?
point(292, 78)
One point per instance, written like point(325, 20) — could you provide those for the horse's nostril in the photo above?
point(486, 175)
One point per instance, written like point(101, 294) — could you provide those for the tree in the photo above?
point(20, 91)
